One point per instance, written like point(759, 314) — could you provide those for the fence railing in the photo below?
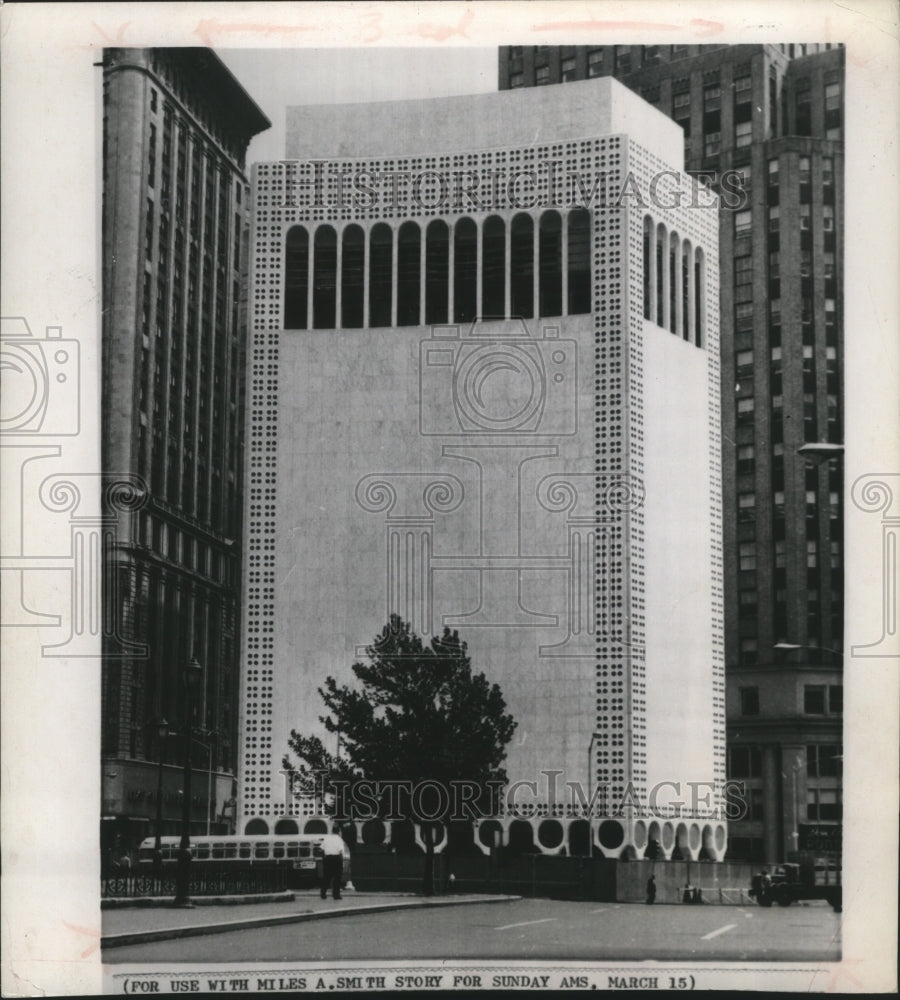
point(200, 884)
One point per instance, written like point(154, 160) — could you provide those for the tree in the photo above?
point(421, 721)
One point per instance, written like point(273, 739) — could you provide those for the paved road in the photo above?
point(528, 929)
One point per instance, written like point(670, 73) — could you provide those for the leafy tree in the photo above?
point(419, 715)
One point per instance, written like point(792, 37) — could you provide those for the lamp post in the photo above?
point(163, 731)
point(193, 673)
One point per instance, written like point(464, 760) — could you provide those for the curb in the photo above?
point(152, 902)
point(252, 923)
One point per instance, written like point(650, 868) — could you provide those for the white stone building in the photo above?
point(484, 393)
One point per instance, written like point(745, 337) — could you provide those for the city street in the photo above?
point(525, 929)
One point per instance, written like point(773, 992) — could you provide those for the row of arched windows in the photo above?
point(400, 277)
point(674, 283)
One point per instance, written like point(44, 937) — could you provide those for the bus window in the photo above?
point(203, 852)
point(293, 849)
point(145, 854)
point(278, 849)
point(218, 850)
point(305, 850)
point(231, 850)
point(261, 851)
point(243, 850)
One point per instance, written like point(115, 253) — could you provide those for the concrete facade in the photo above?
point(482, 404)
point(775, 114)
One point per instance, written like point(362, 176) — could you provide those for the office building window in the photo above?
point(743, 134)
point(836, 699)
point(774, 218)
point(749, 700)
point(595, 62)
point(747, 555)
point(780, 542)
point(541, 75)
point(832, 111)
point(744, 761)
point(748, 600)
point(516, 80)
point(823, 804)
point(814, 699)
point(812, 553)
point(622, 59)
point(746, 506)
point(567, 68)
point(679, 52)
point(681, 111)
point(745, 408)
point(827, 171)
point(823, 760)
point(742, 223)
point(651, 54)
point(746, 460)
point(712, 143)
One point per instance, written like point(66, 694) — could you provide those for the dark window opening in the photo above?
point(380, 271)
point(579, 264)
point(352, 261)
point(493, 268)
point(296, 278)
point(324, 278)
point(550, 264)
point(522, 267)
point(409, 266)
point(465, 262)
point(437, 259)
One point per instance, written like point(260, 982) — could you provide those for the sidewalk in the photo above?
point(133, 925)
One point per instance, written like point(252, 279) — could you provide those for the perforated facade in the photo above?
point(484, 393)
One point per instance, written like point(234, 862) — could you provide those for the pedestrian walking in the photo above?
point(651, 889)
point(332, 848)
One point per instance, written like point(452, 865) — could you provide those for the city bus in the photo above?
point(299, 853)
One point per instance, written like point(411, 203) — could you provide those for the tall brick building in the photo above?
point(176, 125)
point(774, 113)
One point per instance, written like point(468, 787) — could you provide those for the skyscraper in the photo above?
point(475, 397)
point(775, 114)
point(176, 125)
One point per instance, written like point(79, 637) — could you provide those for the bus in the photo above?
point(301, 854)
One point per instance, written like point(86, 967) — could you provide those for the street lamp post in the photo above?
point(192, 675)
point(163, 731)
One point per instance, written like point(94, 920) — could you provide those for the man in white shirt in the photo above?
point(332, 848)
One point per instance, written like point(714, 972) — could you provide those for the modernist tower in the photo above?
point(176, 125)
point(774, 113)
point(484, 393)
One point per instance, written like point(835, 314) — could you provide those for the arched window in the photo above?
point(465, 275)
point(579, 265)
point(699, 298)
point(409, 274)
point(324, 278)
point(550, 264)
point(674, 271)
point(296, 278)
point(648, 226)
point(352, 259)
point(686, 278)
point(437, 261)
point(521, 270)
point(661, 244)
point(381, 242)
point(493, 268)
